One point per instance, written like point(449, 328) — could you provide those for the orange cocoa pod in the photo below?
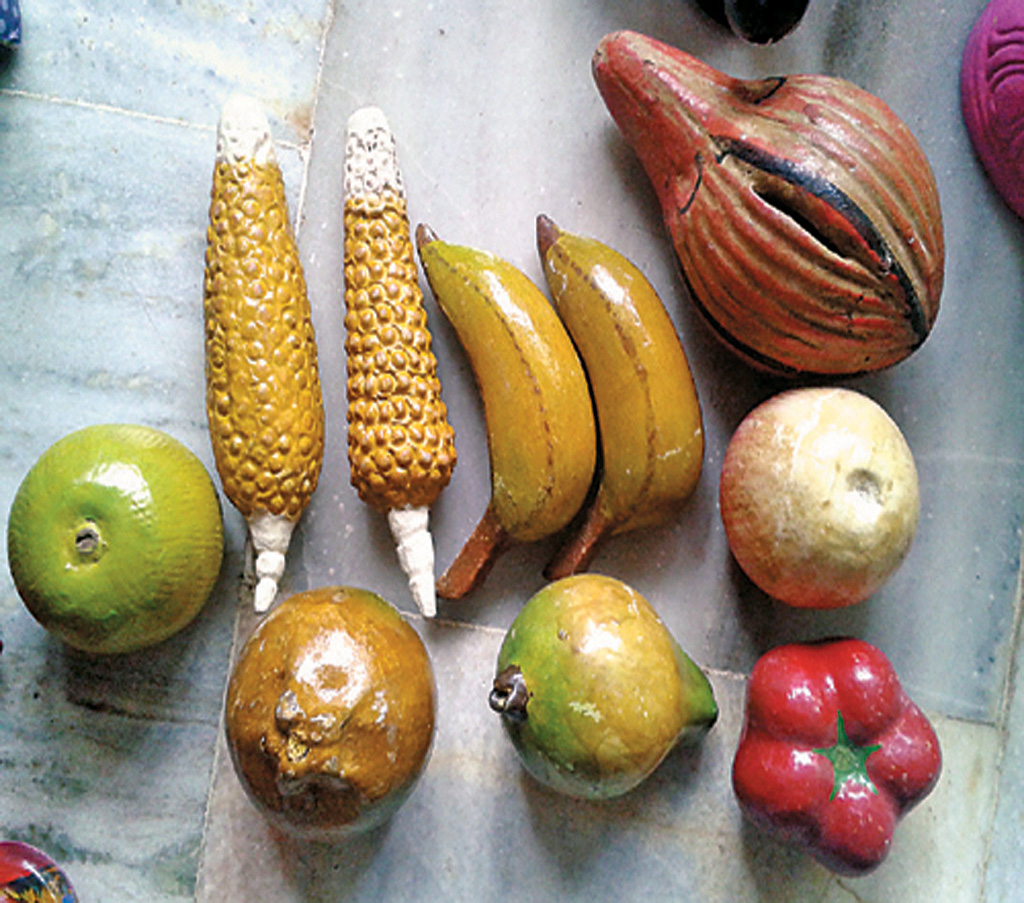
point(803, 211)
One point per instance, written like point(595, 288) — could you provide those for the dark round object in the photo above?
point(764, 21)
point(715, 9)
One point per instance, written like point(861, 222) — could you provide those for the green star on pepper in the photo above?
point(849, 762)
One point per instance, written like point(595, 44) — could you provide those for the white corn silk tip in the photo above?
point(411, 532)
point(243, 133)
point(371, 162)
point(270, 534)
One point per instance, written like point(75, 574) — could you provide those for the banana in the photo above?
point(541, 434)
point(648, 413)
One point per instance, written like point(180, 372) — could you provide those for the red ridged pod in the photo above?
point(804, 213)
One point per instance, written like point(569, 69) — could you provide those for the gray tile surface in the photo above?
point(106, 151)
point(174, 61)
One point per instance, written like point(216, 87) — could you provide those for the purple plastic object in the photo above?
point(992, 96)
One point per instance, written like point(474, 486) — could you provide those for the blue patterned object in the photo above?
point(10, 22)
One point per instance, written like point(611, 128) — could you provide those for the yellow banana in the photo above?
point(263, 398)
point(541, 435)
point(648, 413)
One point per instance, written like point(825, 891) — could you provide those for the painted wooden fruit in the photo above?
point(28, 874)
point(804, 213)
point(764, 21)
point(329, 713)
point(819, 496)
point(992, 96)
point(594, 691)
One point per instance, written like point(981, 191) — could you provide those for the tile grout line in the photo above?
point(217, 750)
point(1003, 718)
point(138, 114)
point(306, 148)
point(733, 674)
point(999, 723)
point(101, 108)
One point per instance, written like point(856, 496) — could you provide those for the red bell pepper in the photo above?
point(833, 752)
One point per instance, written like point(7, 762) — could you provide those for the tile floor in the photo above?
point(107, 117)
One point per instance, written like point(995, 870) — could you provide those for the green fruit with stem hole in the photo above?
point(593, 689)
point(115, 538)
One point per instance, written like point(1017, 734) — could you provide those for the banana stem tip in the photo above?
point(547, 234)
point(424, 235)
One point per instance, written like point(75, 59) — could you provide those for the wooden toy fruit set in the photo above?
point(813, 244)
point(807, 223)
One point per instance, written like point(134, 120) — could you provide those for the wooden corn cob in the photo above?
point(263, 398)
point(400, 445)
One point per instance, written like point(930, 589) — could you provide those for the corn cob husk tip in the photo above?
point(270, 535)
point(243, 132)
point(415, 547)
point(371, 161)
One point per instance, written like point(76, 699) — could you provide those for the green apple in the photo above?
point(115, 538)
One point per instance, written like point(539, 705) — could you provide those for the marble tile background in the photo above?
point(107, 117)
point(106, 147)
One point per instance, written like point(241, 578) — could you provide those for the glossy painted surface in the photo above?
point(117, 773)
point(647, 409)
point(803, 211)
point(833, 751)
point(329, 713)
point(593, 690)
point(819, 496)
point(10, 23)
point(764, 21)
point(115, 538)
point(540, 428)
point(28, 875)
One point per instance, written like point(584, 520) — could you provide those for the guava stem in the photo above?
point(509, 694)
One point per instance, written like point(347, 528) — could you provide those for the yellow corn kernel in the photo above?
point(401, 447)
point(263, 397)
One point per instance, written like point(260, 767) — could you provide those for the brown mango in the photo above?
point(804, 213)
